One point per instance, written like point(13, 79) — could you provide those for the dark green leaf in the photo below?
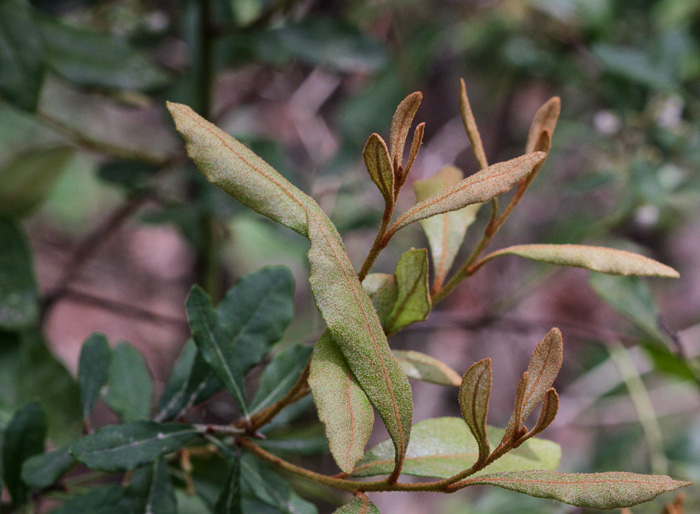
point(132, 175)
point(229, 501)
point(130, 387)
point(19, 301)
point(150, 491)
point(383, 291)
point(23, 438)
point(443, 447)
point(474, 395)
point(280, 375)
point(305, 441)
point(413, 299)
point(102, 500)
point(128, 446)
point(93, 370)
point(358, 505)
point(611, 490)
point(426, 368)
point(44, 470)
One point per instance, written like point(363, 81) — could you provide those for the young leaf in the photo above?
point(378, 164)
point(474, 395)
point(229, 501)
point(604, 260)
point(280, 375)
point(545, 120)
point(383, 291)
point(342, 405)
point(93, 370)
point(550, 407)
point(150, 491)
point(544, 366)
point(443, 447)
point(426, 368)
point(477, 188)
point(23, 438)
point(45, 469)
point(130, 387)
point(415, 146)
point(128, 446)
point(512, 432)
point(445, 232)
point(611, 490)
point(401, 124)
point(358, 505)
point(413, 299)
point(470, 126)
point(215, 341)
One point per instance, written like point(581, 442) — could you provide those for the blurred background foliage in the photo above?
point(105, 224)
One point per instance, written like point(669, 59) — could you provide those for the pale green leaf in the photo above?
point(280, 375)
point(93, 370)
point(474, 395)
point(413, 298)
point(401, 124)
point(358, 505)
point(130, 386)
point(342, 405)
point(611, 490)
point(426, 368)
point(477, 188)
point(378, 164)
point(443, 447)
point(445, 232)
point(545, 120)
point(382, 290)
point(604, 260)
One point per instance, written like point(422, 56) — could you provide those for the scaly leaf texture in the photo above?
point(378, 164)
point(358, 505)
point(426, 368)
point(342, 405)
point(545, 120)
point(401, 124)
point(339, 296)
point(443, 447)
point(477, 188)
point(413, 300)
point(383, 291)
point(474, 396)
point(595, 258)
point(611, 490)
point(445, 232)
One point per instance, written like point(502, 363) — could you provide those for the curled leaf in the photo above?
point(474, 395)
point(415, 146)
point(470, 126)
point(426, 368)
point(477, 188)
point(413, 298)
point(401, 124)
point(550, 407)
point(378, 164)
point(516, 419)
point(545, 120)
point(595, 258)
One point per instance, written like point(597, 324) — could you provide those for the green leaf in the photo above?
point(29, 177)
point(130, 386)
point(610, 490)
point(443, 447)
point(383, 291)
point(149, 491)
point(19, 300)
point(303, 441)
point(230, 499)
point(128, 446)
point(401, 124)
point(545, 120)
point(604, 260)
point(280, 375)
point(44, 470)
point(426, 368)
point(358, 505)
point(477, 188)
point(23, 438)
point(216, 342)
point(20, 55)
point(632, 64)
point(445, 232)
point(339, 296)
point(378, 164)
point(101, 500)
point(93, 370)
point(342, 405)
point(413, 299)
point(474, 395)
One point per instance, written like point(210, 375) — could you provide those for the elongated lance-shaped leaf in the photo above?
point(342, 405)
point(611, 490)
point(477, 188)
point(358, 505)
point(470, 126)
point(401, 124)
point(339, 296)
point(445, 232)
point(413, 299)
point(378, 164)
point(443, 447)
point(545, 120)
point(550, 407)
point(426, 368)
point(383, 291)
point(280, 375)
point(595, 258)
point(416, 142)
point(474, 395)
point(93, 370)
point(515, 422)
point(230, 499)
point(150, 491)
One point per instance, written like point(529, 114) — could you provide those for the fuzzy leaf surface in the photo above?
point(128, 446)
point(280, 375)
point(358, 505)
point(545, 120)
point(383, 291)
point(544, 367)
point(93, 370)
point(445, 232)
point(413, 298)
point(604, 260)
point(474, 396)
point(442, 447)
point(378, 164)
point(611, 490)
point(477, 188)
point(401, 124)
point(45, 469)
point(342, 405)
point(423, 367)
point(130, 386)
